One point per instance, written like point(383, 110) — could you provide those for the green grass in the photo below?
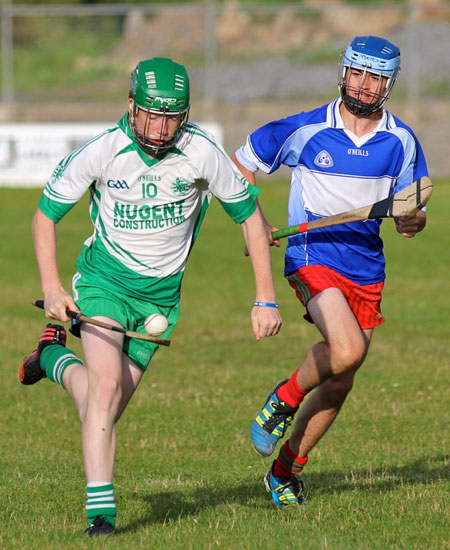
point(186, 474)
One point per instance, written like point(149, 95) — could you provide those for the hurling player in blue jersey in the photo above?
point(349, 153)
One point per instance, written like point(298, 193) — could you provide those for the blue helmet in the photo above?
point(369, 54)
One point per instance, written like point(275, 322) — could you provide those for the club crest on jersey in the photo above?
point(323, 159)
point(180, 186)
point(57, 173)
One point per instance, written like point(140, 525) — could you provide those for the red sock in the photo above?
point(291, 392)
point(288, 463)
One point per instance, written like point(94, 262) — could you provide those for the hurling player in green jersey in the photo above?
point(150, 178)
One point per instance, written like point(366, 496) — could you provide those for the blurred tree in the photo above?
point(84, 2)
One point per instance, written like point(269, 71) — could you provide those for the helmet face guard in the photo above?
point(159, 91)
point(156, 143)
point(368, 54)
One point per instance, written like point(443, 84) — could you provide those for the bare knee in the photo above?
point(105, 395)
point(348, 355)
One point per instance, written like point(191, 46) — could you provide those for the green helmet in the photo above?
point(159, 86)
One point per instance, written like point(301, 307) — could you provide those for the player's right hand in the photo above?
point(56, 303)
point(266, 321)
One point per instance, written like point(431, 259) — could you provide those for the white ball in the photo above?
point(155, 324)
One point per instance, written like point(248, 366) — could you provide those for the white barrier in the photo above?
point(30, 152)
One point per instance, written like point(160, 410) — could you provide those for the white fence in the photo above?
point(30, 152)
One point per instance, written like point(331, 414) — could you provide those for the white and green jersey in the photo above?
point(146, 212)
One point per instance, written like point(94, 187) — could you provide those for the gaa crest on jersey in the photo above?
point(180, 186)
point(57, 173)
point(323, 159)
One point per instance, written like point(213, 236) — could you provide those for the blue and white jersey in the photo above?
point(333, 171)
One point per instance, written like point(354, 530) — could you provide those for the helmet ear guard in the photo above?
point(369, 54)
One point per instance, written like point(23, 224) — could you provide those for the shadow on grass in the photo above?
point(167, 506)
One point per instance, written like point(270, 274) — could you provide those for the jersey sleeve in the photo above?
point(269, 146)
point(70, 180)
point(414, 165)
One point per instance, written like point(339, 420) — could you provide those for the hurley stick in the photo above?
point(404, 203)
point(97, 323)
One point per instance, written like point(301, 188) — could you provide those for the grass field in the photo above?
point(186, 475)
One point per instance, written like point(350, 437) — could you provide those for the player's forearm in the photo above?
point(264, 287)
point(56, 299)
point(44, 239)
point(259, 251)
point(266, 319)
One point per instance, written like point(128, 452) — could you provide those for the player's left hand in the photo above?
point(266, 321)
point(271, 241)
point(269, 228)
point(409, 227)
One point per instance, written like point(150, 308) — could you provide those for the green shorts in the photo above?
point(130, 312)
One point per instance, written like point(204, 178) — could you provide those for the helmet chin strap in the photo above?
point(358, 107)
point(354, 104)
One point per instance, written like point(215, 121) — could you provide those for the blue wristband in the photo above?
point(265, 304)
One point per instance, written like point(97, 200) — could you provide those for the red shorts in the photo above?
point(364, 300)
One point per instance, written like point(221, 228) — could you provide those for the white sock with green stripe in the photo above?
point(55, 359)
point(101, 501)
